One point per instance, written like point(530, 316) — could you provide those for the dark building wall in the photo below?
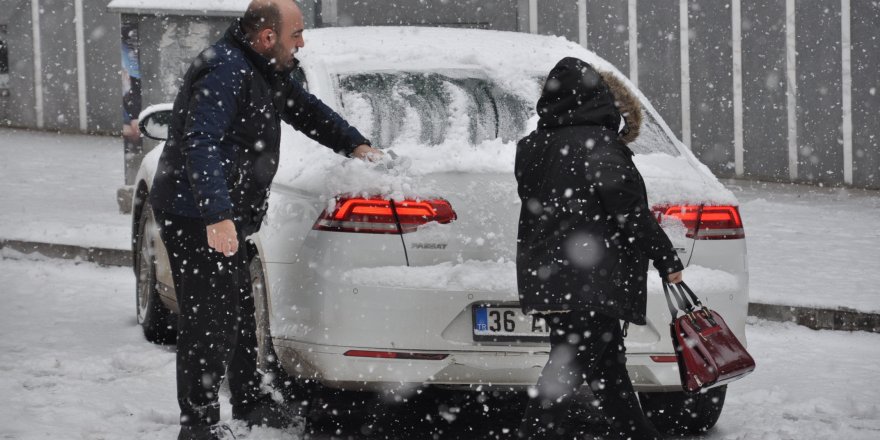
point(559, 17)
point(522, 16)
point(765, 114)
point(820, 140)
point(711, 85)
point(4, 71)
point(608, 31)
point(485, 14)
point(866, 92)
point(59, 67)
point(660, 59)
point(103, 81)
point(21, 68)
point(60, 95)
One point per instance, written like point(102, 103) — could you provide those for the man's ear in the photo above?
point(265, 39)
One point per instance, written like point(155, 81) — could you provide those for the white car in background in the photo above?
point(400, 275)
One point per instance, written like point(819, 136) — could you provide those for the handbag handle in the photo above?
point(683, 305)
point(681, 292)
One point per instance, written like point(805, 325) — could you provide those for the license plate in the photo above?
point(505, 324)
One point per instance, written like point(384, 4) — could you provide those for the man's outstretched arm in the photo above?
point(310, 115)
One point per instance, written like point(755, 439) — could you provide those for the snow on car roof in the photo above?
point(512, 60)
point(187, 7)
point(504, 56)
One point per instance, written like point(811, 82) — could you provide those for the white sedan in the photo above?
point(399, 275)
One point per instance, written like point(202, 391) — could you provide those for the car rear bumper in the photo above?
point(313, 330)
point(503, 369)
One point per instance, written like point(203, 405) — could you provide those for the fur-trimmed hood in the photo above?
point(575, 93)
point(627, 105)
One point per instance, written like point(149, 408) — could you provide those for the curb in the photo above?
point(817, 318)
point(812, 317)
point(100, 256)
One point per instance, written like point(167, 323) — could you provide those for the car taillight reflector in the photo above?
point(706, 222)
point(664, 358)
point(396, 355)
point(377, 216)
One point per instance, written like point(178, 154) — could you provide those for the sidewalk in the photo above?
point(814, 253)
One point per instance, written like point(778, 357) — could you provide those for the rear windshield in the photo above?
point(431, 108)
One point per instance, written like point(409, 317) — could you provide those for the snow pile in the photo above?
point(702, 280)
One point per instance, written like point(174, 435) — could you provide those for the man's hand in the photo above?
point(366, 152)
point(674, 278)
point(222, 237)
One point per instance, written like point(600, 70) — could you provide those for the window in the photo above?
point(431, 108)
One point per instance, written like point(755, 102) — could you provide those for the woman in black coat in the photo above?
point(586, 234)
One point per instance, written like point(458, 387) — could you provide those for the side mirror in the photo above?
point(155, 120)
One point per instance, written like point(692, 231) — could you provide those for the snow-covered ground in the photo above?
point(74, 365)
point(61, 189)
point(812, 246)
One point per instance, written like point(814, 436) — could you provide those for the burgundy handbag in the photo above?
point(708, 353)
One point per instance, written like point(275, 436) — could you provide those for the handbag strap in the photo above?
point(681, 292)
point(682, 287)
point(683, 304)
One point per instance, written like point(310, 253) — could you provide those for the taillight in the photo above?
point(706, 222)
point(381, 216)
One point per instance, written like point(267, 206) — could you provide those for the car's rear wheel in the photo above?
point(267, 360)
point(152, 315)
point(680, 413)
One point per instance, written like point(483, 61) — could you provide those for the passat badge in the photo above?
point(436, 246)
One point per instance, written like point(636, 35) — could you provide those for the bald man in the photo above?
point(210, 192)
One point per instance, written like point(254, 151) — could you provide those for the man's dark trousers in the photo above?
point(216, 336)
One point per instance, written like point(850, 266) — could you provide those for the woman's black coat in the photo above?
point(586, 232)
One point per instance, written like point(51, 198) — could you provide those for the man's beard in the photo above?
point(283, 60)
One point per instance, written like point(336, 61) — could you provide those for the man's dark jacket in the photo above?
point(585, 229)
point(224, 139)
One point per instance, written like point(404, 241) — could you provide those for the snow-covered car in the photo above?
point(400, 274)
